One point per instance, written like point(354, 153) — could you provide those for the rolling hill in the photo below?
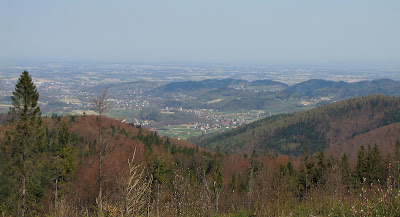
point(317, 88)
point(232, 94)
point(317, 129)
point(196, 88)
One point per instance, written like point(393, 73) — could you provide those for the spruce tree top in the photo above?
point(25, 98)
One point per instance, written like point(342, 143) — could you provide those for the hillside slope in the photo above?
point(385, 137)
point(316, 129)
point(316, 88)
point(188, 181)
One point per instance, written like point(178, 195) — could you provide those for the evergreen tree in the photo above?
point(374, 165)
point(160, 169)
point(361, 170)
point(291, 178)
point(345, 171)
point(24, 145)
point(6, 182)
point(63, 161)
point(319, 171)
point(233, 185)
point(306, 173)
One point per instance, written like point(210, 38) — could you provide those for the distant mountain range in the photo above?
point(327, 127)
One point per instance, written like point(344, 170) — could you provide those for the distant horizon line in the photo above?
point(44, 61)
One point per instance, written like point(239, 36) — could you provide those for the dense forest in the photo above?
point(91, 165)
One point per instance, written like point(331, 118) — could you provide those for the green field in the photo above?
point(182, 131)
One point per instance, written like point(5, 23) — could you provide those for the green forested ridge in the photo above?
point(266, 82)
point(316, 129)
point(342, 90)
point(197, 88)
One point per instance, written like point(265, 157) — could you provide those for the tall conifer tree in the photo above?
point(361, 170)
point(374, 165)
point(63, 161)
point(345, 171)
point(24, 144)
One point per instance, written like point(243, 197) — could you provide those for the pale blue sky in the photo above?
point(202, 31)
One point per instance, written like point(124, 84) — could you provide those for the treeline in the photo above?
point(316, 129)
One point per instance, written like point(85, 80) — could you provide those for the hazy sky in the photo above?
point(201, 31)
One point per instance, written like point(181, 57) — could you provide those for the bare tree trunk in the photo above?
point(306, 187)
point(249, 199)
point(158, 198)
point(55, 196)
point(101, 105)
point(23, 197)
point(56, 188)
point(216, 200)
point(205, 196)
point(137, 190)
point(100, 183)
point(100, 199)
point(23, 190)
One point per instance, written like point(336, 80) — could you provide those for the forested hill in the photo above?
point(341, 90)
point(71, 146)
point(317, 129)
point(314, 88)
point(199, 87)
point(177, 179)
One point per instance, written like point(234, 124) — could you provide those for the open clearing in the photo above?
point(215, 101)
point(71, 101)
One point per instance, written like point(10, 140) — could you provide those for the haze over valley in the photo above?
point(215, 98)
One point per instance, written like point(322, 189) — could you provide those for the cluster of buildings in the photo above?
point(212, 121)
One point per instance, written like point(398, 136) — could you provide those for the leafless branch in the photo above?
point(100, 103)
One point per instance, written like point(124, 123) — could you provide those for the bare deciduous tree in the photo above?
point(100, 104)
point(137, 190)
